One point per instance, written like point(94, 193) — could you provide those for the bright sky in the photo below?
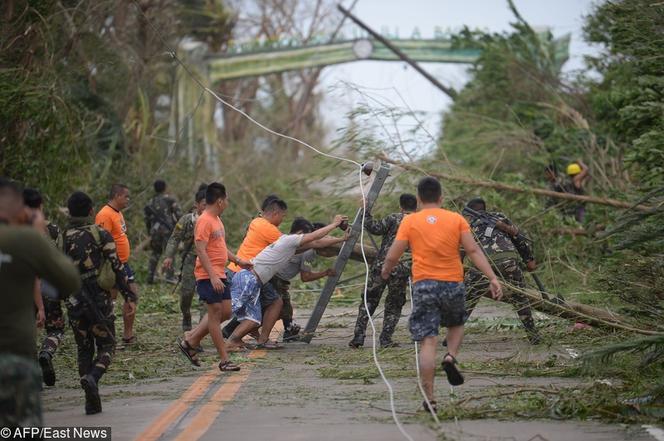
point(562, 16)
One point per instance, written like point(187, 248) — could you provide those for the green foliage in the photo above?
point(629, 99)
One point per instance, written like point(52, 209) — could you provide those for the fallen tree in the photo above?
point(568, 310)
point(516, 189)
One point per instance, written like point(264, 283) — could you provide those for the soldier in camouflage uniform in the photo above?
point(183, 234)
point(90, 310)
point(161, 214)
point(24, 255)
point(505, 253)
point(397, 282)
point(55, 320)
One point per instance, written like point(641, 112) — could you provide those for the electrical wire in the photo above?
point(339, 158)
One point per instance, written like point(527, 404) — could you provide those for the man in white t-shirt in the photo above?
point(246, 286)
point(299, 264)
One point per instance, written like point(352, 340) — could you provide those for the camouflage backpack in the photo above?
point(105, 274)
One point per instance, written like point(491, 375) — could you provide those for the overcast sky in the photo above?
point(561, 16)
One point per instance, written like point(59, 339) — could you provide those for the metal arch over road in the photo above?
point(241, 65)
point(224, 67)
point(197, 129)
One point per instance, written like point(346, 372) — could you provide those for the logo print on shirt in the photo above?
point(432, 219)
point(217, 234)
point(5, 258)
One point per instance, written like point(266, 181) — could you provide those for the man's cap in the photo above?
point(573, 169)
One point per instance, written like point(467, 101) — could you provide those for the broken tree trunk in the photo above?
point(583, 313)
point(568, 310)
point(515, 189)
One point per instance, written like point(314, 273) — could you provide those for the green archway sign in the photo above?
point(199, 132)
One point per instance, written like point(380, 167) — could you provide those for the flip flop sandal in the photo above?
point(454, 377)
point(228, 366)
point(269, 345)
point(433, 408)
point(189, 352)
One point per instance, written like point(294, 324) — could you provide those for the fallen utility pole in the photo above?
point(399, 53)
point(345, 251)
point(515, 189)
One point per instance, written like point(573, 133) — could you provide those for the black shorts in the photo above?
point(207, 293)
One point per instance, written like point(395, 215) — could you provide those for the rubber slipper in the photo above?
point(431, 409)
point(269, 345)
point(228, 366)
point(454, 377)
point(189, 352)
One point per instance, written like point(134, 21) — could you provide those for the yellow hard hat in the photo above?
point(573, 169)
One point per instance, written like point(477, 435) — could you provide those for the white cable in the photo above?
point(267, 129)
point(339, 158)
point(373, 327)
point(417, 360)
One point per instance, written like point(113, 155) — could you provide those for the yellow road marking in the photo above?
point(175, 410)
point(210, 410)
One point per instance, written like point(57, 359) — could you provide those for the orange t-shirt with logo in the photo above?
point(260, 234)
point(210, 229)
point(113, 221)
point(434, 237)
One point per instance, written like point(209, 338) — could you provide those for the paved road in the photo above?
point(281, 395)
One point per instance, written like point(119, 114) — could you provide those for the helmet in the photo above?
point(475, 202)
point(573, 169)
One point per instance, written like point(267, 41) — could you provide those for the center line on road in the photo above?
point(210, 410)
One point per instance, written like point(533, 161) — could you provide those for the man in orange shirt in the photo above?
point(211, 283)
point(435, 237)
point(262, 231)
point(111, 219)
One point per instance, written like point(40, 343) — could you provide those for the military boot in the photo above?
point(92, 399)
point(356, 342)
point(46, 364)
point(186, 322)
point(291, 332)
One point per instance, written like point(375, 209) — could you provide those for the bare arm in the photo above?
point(581, 178)
point(392, 258)
point(39, 303)
point(321, 233)
point(329, 241)
point(476, 255)
point(245, 264)
point(310, 276)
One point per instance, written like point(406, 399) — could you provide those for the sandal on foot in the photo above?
point(129, 341)
point(189, 352)
point(228, 366)
point(431, 407)
point(454, 377)
point(269, 345)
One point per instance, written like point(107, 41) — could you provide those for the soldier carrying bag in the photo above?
point(105, 274)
